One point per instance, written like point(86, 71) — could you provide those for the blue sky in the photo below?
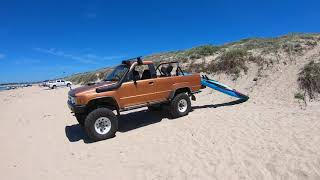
point(47, 39)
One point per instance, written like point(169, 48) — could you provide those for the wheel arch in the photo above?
point(180, 90)
point(108, 102)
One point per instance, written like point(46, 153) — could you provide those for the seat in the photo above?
point(177, 72)
point(146, 74)
point(163, 71)
point(136, 75)
point(169, 70)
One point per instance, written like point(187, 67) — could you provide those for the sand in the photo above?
point(271, 136)
point(258, 139)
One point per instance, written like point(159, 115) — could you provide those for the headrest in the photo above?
point(169, 69)
point(136, 75)
point(164, 70)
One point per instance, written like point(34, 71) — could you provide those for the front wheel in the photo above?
point(68, 85)
point(101, 124)
point(54, 87)
point(180, 105)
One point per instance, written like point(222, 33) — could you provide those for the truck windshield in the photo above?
point(117, 73)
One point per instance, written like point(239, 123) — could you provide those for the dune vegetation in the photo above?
point(234, 59)
point(309, 79)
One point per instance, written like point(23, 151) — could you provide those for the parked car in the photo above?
point(59, 83)
point(44, 83)
point(26, 85)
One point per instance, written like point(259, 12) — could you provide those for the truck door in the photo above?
point(63, 83)
point(145, 86)
point(140, 91)
point(58, 83)
point(166, 78)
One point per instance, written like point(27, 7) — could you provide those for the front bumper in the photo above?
point(77, 108)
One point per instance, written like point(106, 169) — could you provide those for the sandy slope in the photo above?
point(254, 140)
point(268, 137)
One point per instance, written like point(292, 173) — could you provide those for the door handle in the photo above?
point(151, 83)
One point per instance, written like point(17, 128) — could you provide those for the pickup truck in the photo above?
point(58, 83)
point(132, 84)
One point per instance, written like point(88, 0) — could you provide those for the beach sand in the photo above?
point(271, 136)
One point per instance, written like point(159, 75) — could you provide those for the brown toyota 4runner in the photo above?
point(133, 84)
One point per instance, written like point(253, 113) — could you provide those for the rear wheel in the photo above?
point(101, 124)
point(180, 105)
point(68, 85)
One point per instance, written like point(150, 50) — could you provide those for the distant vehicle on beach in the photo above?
point(59, 83)
point(2, 88)
point(26, 85)
point(45, 83)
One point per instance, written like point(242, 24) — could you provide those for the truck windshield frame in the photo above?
point(117, 73)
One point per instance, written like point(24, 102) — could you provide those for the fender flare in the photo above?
point(108, 100)
point(179, 90)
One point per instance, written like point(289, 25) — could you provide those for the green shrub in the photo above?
point(311, 43)
point(230, 62)
point(299, 96)
point(101, 75)
point(86, 78)
point(290, 43)
point(260, 61)
point(196, 67)
point(309, 79)
point(292, 48)
point(200, 51)
point(266, 44)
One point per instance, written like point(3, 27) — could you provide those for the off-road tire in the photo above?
point(93, 116)
point(54, 87)
point(68, 85)
point(175, 106)
point(81, 118)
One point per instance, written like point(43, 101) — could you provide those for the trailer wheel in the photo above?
point(180, 105)
point(101, 124)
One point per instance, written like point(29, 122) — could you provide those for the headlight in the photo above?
point(73, 100)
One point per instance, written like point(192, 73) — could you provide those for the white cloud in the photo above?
point(55, 52)
point(25, 61)
point(2, 56)
point(86, 58)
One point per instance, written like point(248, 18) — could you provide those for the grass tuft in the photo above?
point(231, 62)
point(309, 79)
point(200, 51)
point(299, 96)
point(85, 78)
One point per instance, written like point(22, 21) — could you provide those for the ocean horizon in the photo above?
point(3, 88)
